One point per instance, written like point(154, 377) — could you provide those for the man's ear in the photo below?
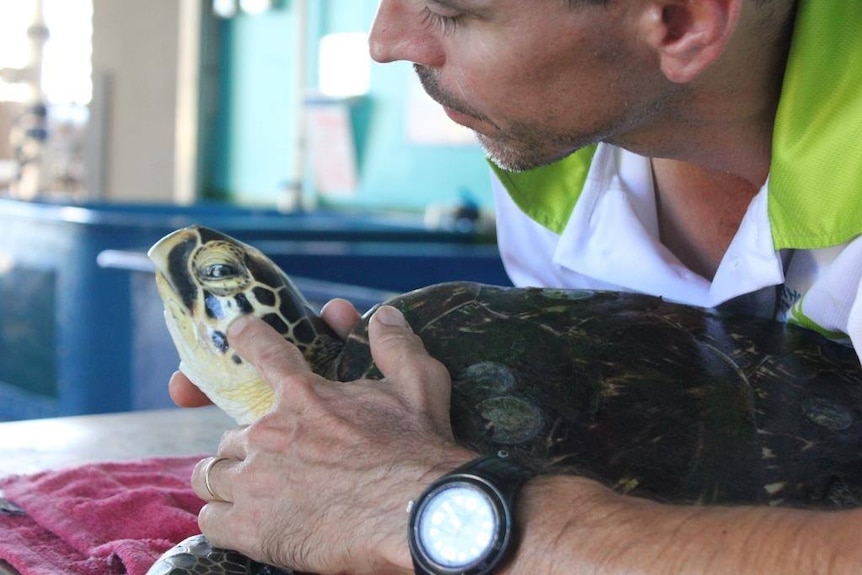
point(689, 35)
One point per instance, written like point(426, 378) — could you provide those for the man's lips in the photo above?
point(460, 117)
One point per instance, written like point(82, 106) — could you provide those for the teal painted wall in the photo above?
point(250, 157)
point(250, 152)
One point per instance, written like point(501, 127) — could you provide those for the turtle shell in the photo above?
point(652, 398)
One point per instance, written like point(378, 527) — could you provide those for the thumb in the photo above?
point(402, 359)
point(340, 315)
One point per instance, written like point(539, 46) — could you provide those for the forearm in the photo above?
point(571, 525)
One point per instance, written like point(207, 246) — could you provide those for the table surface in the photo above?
point(41, 444)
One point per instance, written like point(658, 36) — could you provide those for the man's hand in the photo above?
point(321, 483)
point(341, 316)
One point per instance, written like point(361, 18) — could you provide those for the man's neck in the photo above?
point(715, 155)
point(699, 212)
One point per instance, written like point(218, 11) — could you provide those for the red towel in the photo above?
point(98, 519)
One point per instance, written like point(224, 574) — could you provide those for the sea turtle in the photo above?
point(655, 399)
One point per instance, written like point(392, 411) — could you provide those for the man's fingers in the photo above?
point(279, 363)
point(402, 358)
point(258, 343)
point(340, 315)
point(213, 480)
point(184, 393)
point(210, 479)
point(221, 469)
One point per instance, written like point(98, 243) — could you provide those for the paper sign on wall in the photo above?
point(333, 154)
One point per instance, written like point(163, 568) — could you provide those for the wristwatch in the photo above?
point(463, 523)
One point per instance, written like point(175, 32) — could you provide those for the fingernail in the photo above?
point(388, 315)
point(237, 326)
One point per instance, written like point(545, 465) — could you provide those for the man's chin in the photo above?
point(505, 164)
point(511, 159)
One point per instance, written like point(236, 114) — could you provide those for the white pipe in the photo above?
point(297, 195)
point(38, 35)
point(186, 126)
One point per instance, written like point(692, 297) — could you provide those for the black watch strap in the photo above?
point(503, 473)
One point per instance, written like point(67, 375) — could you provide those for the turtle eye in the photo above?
point(219, 267)
point(219, 271)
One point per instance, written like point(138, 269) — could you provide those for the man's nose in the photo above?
point(401, 33)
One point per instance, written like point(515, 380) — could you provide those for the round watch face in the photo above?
point(457, 525)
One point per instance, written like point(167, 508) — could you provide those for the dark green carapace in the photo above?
point(655, 399)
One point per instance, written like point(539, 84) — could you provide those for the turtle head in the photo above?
point(206, 280)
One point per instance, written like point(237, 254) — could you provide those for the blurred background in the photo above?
point(240, 100)
point(122, 120)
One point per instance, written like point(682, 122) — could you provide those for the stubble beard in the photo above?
point(517, 147)
point(524, 153)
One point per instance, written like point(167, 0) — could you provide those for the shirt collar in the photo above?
point(612, 236)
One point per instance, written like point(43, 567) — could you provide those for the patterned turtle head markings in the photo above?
point(219, 340)
point(303, 332)
point(264, 295)
point(207, 280)
point(236, 280)
point(263, 271)
point(213, 306)
point(180, 277)
point(290, 306)
point(274, 320)
point(210, 235)
point(243, 304)
point(239, 280)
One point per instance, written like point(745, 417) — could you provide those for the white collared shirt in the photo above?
point(611, 241)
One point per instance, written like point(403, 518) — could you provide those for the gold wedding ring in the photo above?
point(207, 468)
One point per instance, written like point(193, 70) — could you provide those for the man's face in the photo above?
point(535, 79)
